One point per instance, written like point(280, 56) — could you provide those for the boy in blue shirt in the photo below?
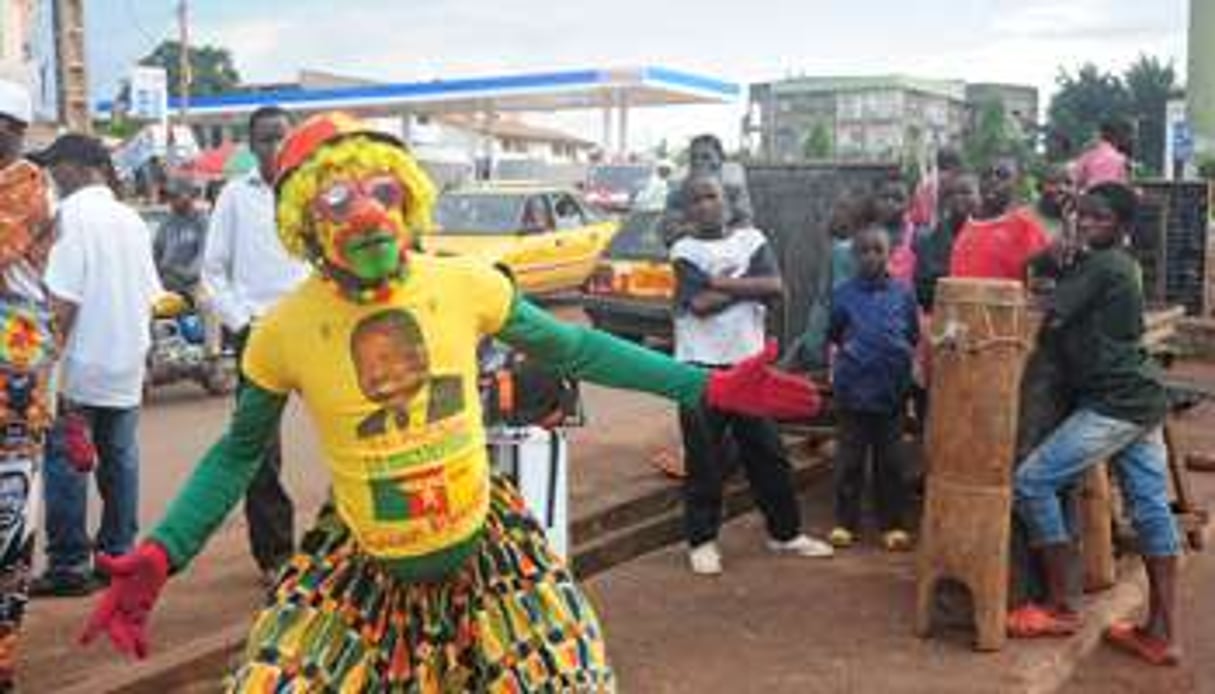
point(875, 327)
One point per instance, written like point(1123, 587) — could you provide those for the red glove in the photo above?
point(78, 442)
point(752, 387)
point(122, 612)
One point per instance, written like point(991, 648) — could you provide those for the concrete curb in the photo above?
point(663, 525)
point(170, 671)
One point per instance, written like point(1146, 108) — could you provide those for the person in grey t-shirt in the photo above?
point(707, 157)
point(179, 243)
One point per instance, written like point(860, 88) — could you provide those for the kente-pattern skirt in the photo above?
point(511, 619)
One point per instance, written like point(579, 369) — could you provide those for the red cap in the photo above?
point(313, 134)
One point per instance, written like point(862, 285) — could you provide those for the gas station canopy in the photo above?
point(549, 91)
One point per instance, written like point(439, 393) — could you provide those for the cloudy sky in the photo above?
point(1022, 41)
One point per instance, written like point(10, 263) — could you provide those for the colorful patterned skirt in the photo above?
point(511, 619)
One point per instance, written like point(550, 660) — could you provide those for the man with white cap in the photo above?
point(16, 111)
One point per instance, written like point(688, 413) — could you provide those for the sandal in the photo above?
point(841, 537)
point(669, 464)
point(1129, 638)
point(1032, 621)
point(896, 541)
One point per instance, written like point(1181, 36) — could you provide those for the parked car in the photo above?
point(545, 237)
point(631, 290)
point(613, 187)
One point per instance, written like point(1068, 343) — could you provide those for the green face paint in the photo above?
point(373, 255)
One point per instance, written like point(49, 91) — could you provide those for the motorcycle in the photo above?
point(180, 349)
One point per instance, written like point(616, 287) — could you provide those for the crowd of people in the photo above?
point(1090, 391)
point(435, 569)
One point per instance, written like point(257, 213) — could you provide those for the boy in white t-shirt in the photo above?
point(723, 277)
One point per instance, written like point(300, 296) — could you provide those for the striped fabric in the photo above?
point(510, 620)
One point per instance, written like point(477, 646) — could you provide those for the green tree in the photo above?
point(212, 70)
point(1084, 100)
point(818, 143)
point(992, 135)
point(1149, 83)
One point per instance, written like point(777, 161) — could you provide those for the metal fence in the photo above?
point(1170, 241)
point(793, 206)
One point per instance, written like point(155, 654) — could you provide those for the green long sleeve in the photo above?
point(584, 354)
point(219, 481)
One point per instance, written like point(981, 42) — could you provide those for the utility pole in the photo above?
point(72, 78)
point(184, 76)
point(1200, 80)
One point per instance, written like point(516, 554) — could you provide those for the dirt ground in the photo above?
point(1109, 672)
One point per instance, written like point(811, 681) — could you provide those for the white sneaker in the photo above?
point(803, 546)
point(705, 559)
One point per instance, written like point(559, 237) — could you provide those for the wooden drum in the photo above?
point(980, 338)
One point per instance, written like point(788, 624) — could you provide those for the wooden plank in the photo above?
point(1096, 530)
point(1184, 505)
point(1170, 316)
point(1160, 326)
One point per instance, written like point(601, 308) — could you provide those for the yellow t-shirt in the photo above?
point(392, 388)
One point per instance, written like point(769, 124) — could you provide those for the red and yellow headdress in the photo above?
point(332, 146)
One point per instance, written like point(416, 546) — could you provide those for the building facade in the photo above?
point(27, 54)
point(854, 118)
point(1020, 102)
point(870, 118)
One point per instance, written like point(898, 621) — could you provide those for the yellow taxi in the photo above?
point(545, 237)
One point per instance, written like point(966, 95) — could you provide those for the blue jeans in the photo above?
point(68, 547)
point(1138, 456)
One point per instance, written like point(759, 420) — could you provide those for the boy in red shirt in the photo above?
point(1000, 239)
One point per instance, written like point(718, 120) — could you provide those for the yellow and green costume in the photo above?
point(427, 574)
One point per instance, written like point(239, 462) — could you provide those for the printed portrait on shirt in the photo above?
point(14, 496)
point(393, 368)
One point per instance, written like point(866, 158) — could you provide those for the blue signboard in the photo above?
point(1183, 141)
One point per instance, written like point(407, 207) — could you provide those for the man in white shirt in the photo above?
point(103, 283)
point(245, 271)
point(657, 188)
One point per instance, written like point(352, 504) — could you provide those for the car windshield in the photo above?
point(478, 213)
point(626, 178)
point(639, 238)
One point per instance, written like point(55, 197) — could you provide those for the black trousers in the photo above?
point(707, 462)
point(864, 436)
point(269, 512)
